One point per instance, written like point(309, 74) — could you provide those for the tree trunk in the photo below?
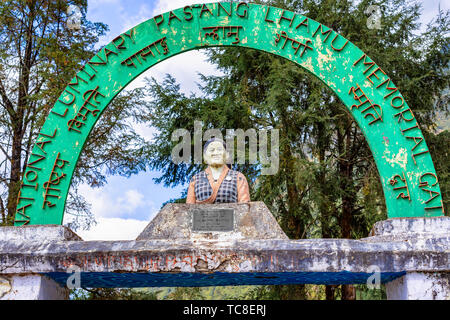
point(18, 117)
point(329, 292)
point(325, 211)
point(348, 292)
point(348, 194)
point(295, 224)
point(14, 177)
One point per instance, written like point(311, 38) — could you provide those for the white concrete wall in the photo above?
point(31, 287)
point(420, 286)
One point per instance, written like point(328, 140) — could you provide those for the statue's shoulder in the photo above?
point(235, 174)
point(240, 176)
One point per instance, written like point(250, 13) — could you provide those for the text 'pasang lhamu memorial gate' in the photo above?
point(410, 249)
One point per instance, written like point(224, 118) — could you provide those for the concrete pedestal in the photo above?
point(419, 286)
point(31, 287)
point(427, 285)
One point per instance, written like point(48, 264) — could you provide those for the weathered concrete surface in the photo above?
point(252, 220)
point(406, 228)
point(45, 233)
point(419, 286)
point(31, 287)
point(204, 262)
point(315, 255)
point(234, 257)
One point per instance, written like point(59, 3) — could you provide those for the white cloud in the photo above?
point(117, 15)
point(129, 21)
point(145, 131)
point(114, 229)
point(132, 200)
point(430, 10)
point(106, 204)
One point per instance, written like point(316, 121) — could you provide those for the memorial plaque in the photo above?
point(210, 220)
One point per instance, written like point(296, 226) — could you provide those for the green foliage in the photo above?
point(112, 294)
point(364, 293)
point(182, 293)
point(279, 292)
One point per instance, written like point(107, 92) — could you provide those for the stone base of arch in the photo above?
point(31, 287)
point(420, 286)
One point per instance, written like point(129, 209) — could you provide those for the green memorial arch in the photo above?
point(406, 169)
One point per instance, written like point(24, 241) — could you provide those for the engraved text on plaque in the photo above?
point(210, 220)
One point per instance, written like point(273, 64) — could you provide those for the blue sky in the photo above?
point(125, 206)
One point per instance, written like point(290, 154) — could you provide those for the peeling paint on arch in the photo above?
point(358, 82)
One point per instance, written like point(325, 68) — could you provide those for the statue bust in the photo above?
point(217, 183)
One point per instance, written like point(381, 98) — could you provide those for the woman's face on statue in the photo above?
point(215, 153)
